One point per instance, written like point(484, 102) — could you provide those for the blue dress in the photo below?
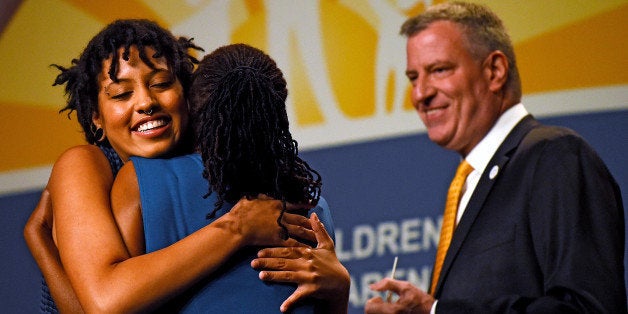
point(171, 192)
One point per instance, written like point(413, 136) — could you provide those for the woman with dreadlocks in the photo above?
point(238, 103)
point(128, 88)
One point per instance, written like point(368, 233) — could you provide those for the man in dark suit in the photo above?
point(539, 224)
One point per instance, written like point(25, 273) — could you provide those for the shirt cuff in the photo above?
point(433, 309)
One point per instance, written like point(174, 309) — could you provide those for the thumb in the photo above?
point(322, 237)
point(291, 300)
point(43, 210)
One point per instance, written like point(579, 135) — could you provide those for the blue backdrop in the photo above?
point(386, 197)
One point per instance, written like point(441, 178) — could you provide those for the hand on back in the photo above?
point(256, 221)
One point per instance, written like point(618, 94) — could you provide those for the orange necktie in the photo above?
point(449, 219)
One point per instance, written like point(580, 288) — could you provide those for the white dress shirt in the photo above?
point(482, 153)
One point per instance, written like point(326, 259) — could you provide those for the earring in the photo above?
point(98, 133)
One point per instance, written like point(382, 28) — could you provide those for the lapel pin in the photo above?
point(493, 172)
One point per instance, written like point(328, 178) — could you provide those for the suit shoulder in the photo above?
point(554, 139)
point(560, 148)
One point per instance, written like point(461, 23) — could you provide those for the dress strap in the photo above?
point(114, 160)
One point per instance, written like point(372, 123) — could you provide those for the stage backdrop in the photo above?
point(348, 106)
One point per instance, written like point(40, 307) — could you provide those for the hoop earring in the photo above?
point(98, 133)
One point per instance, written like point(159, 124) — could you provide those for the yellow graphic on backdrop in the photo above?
point(344, 60)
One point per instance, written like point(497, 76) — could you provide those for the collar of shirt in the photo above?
point(482, 153)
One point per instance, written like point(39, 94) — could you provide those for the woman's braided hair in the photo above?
point(238, 109)
point(81, 78)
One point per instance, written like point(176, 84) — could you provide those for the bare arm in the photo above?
point(100, 268)
point(38, 236)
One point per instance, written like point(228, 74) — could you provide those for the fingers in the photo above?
point(38, 227)
point(282, 264)
point(284, 252)
point(387, 284)
point(292, 207)
point(297, 220)
point(317, 272)
point(290, 242)
point(411, 298)
point(257, 219)
point(280, 258)
point(299, 227)
point(263, 197)
point(322, 237)
point(280, 276)
point(42, 213)
point(375, 305)
point(378, 286)
point(46, 202)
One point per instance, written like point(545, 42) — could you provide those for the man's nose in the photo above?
point(422, 92)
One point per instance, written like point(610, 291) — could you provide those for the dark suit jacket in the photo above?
point(544, 235)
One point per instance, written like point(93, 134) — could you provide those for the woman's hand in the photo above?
point(316, 271)
point(39, 224)
point(256, 221)
point(38, 233)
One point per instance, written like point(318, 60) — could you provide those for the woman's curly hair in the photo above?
point(81, 78)
point(239, 113)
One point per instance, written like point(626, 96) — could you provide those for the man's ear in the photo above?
point(496, 67)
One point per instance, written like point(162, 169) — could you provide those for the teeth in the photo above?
point(433, 111)
point(150, 125)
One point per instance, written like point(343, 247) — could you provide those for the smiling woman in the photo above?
point(142, 110)
point(147, 66)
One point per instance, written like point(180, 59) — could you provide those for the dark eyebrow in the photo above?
point(408, 72)
point(152, 73)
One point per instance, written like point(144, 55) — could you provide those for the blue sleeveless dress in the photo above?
point(173, 207)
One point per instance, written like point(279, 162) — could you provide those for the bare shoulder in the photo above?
point(86, 161)
point(81, 154)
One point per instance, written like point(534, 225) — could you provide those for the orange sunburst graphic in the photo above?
point(343, 47)
point(588, 53)
point(108, 11)
point(32, 127)
point(349, 44)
